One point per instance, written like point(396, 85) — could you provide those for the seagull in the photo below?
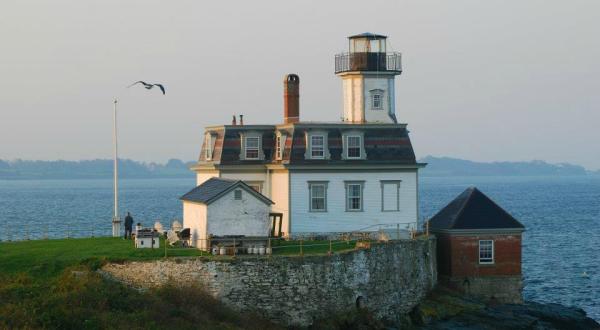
point(149, 86)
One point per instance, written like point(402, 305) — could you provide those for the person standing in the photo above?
point(128, 225)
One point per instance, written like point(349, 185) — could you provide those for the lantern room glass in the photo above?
point(367, 45)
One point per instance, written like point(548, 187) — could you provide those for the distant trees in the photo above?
point(90, 169)
point(446, 166)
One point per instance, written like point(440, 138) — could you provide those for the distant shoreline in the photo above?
point(177, 169)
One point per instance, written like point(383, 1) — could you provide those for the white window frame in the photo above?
point(254, 185)
point(489, 244)
point(377, 93)
point(311, 186)
point(348, 146)
point(361, 185)
point(376, 101)
point(317, 148)
point(257, 148)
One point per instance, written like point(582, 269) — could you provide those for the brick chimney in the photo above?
point(291, 98)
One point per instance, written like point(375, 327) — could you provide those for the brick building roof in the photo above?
point(473, 210)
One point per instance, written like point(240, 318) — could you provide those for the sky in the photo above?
point(482, 80)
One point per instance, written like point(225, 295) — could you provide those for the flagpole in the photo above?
point(116, 221)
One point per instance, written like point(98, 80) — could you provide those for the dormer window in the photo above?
point(278, 153)
point(377, 99)
point(354, 145)
point(252, 145)
point(208, 150)
point(279, 145)
point(317, 146)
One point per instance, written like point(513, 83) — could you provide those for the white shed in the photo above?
point(221, 207)
point(147, 239)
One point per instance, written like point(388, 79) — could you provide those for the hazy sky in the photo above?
point(482, 80)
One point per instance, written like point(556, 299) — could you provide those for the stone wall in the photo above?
point(389, 279)
point(502, 289)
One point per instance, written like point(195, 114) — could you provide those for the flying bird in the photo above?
point(149, 86)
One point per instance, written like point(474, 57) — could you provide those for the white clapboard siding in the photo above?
point(337, 219)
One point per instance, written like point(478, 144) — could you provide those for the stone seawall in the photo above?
point(389, 279)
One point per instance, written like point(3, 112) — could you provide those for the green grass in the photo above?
point(51, 284)
point(42, 258)
point(311, 247)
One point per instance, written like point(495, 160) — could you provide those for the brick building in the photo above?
point(479, 248)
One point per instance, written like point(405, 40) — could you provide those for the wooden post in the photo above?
point(234, 247)
point(301, 251)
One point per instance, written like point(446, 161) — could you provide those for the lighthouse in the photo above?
point(368, 72)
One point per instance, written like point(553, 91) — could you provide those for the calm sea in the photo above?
point(561, 247)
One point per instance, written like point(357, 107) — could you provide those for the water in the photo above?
point(561, 246)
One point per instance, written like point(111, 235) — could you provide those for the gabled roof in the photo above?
point(473, 210)
point(213, 188)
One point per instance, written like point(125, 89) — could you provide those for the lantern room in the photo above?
point(368, 52)
point(367, 43)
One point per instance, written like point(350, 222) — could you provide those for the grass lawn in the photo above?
point(42, 258)
point(51, 284)
point(311, 247)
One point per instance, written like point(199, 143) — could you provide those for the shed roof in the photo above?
point(213, 188)
point(473, 210)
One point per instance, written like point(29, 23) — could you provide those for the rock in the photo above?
point(446, 310)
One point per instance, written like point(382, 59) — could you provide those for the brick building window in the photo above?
point(486, 252)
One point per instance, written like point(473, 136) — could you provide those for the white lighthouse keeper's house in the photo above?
point(221, 207)
point(358, 173)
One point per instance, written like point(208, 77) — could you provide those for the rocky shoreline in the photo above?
point(445, 310)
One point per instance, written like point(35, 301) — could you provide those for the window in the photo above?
point(251, 147)
point(354, 144)
point(278, 153)
point(317, 145)
point(318, 196)
point(486, 252)
point(237, 194)
point(376, 102)
point(376, 99)
point(354, 200)
point(256, 185)
point(208, 150)
point(390, 199)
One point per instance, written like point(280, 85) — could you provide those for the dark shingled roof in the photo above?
point(214, 188)
point(384, 144)
point(473, 210)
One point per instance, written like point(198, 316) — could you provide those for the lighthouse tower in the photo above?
point(368, 71)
